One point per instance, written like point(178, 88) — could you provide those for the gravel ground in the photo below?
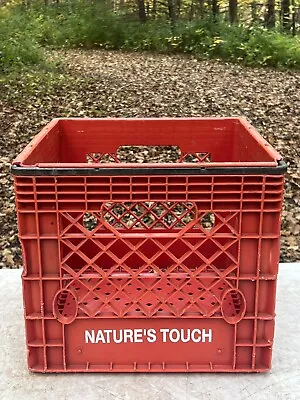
point(101, 83)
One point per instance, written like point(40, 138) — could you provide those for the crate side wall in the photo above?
point(240, 250)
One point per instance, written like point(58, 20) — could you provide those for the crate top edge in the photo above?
point(21, 170)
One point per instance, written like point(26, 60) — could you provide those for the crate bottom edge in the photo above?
point(130, 369)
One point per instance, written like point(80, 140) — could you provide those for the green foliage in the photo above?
point(18, 46)
point(25, 32)
point(254, 46)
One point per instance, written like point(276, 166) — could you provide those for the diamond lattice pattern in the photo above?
point(181, 271)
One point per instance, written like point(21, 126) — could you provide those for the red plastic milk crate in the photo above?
point(136, 265)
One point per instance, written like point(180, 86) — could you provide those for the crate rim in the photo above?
point(20, 170)
point(275, 167)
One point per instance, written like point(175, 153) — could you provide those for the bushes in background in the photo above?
point(25, 32)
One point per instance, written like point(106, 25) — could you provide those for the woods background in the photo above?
point(270, 13)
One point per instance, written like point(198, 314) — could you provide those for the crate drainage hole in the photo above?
point(90, 222)
point(65, 306)
point(233, 306)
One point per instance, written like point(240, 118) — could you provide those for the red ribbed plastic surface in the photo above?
point(150, 273)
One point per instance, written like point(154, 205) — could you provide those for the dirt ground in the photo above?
point(114, 84)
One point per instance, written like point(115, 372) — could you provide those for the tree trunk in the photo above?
point(191, 11)
point(215, 8)
point(154, 7)
point(270, 14)
point(293, 19)
point(141, 10)
point(172, 12)
point(201, 8)
point(254, 15)
point(285, 12)
point(178, 7)
point(233, 11)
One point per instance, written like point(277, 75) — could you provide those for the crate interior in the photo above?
point(190, 140)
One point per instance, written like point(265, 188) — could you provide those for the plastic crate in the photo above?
point(149, 267)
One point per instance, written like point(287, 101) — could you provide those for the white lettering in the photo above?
point(120, 340)
point(164, 334)
point(207, 335)
point(138, 336)
point(188, 336)
point(128, 336)
point(151, 335)
point(193, 335)
point(100, 337)
point(107, 332)
point(174, 338)
point(90, 336)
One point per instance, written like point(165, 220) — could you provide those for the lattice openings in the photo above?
point(180, 275)
point(149, 215)
point(148, 154)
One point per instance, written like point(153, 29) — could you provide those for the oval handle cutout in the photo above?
point(233, 306)
point(65, 306)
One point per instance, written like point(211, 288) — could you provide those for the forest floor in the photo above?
point(115, 84)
